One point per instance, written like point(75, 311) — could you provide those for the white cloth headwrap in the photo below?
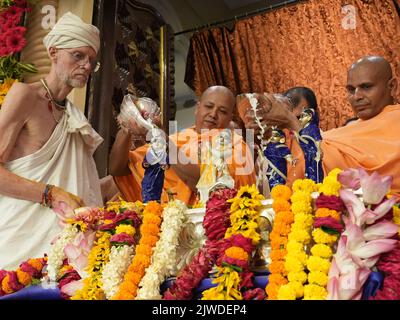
point(71, 32)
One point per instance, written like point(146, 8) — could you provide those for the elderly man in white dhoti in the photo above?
point(46, 146)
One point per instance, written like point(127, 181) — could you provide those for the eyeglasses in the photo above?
point(82, 59)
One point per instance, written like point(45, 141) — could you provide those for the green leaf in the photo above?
point(236, 268)
point(330, 230)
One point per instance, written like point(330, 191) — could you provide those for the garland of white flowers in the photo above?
point(164, 255)
point(115, 269)
point(56, 255)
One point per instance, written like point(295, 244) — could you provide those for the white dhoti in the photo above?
point(66, 161)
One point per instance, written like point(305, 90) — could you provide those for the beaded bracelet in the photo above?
point(47, 196)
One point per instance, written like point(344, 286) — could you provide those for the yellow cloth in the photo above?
point(241, 168)
point(71, 32)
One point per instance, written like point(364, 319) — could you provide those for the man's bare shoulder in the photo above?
point(21, 96)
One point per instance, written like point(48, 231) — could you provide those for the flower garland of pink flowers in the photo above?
point(215, 223)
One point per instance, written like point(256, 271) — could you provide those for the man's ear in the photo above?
point(53, 54)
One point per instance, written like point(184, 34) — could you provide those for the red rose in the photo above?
point(330, 202)
point(328, 222)
point(122, 238)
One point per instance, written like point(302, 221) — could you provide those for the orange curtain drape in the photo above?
point(301, 45)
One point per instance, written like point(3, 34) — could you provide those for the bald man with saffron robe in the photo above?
point(46, 146)
point(373, 141)
point(213, 112)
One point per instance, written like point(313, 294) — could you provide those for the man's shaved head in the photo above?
point(370, 85)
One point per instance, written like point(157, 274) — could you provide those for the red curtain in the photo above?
point(310, 44)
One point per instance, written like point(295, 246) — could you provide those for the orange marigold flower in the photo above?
point(325, 212)
point(237, 253)
point(152, 219)
point(6, 286)
point(281, 227)
point(144, 249)
point(153, 207)
point(281, 191)
point(133, 278)
point(279, 243)
point(285, 216)
point(149, 229)
point(141, 259)
point(23, 277)
point(36, 263)
point(277, 267)
point(272, 291)
point(278, 279)
point(280, 205)
point(277, 254)
point(149, 240)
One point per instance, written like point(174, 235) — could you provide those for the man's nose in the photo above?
point(358, 94)
point(213, 113)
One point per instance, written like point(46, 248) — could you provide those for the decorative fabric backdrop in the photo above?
point(310, 44)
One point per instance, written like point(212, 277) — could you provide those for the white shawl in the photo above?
point(66, 160)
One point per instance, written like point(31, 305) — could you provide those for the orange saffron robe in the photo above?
point(372, 144)
point(186, 142)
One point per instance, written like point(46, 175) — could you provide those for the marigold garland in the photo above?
point(98, 257)
point(136, 271)
point(299, 237)
point(319, 262)
point(278, 236)
point(26, 274)
point(233, 275)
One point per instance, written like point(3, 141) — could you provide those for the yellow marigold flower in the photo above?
point(330, 186)
point(237, 253)
point(335, 172)
point(280, 205)
point(298, 288)
point(314, 292)
point(281, 191)
point(321, 236)
point(125, 228)
point(301, 196)
point(306, 219)
point(292, 264)
point(108, 221)
point(299, 276)
point(299, 255)
point(321, 250)
point(287, 292)
point(301, 207)
point(295, 246)
point(299, 236)
point(306, 185)
point(325, 213)
point(318, 264)
point(318, 278)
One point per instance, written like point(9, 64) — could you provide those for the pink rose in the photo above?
point(330, 202)
point(122, 238)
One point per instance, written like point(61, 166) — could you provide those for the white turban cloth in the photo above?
point(71, 32)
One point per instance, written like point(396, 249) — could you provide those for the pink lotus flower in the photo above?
point(359, 214)
point(78, 251)
point(350, 178)
point(374, 187)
